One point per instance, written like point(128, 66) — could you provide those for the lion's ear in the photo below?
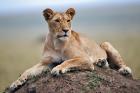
point(48, 13)
point(71, 12)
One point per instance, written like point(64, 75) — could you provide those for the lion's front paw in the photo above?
point(16, 85)
point(56, 71)
point(126, 71)
point(13, 87)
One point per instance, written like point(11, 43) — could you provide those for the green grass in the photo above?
point(94, 80)
point(16, 57)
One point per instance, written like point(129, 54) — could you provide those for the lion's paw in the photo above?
point(126, 71)
point(103, 63)
point(58, 70)
point(13, 87)
point(16, 85)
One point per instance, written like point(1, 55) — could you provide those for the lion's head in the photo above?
point(59, 23)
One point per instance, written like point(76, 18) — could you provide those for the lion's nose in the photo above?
point(65, 30)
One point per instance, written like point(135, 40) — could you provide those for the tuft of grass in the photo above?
point(94, 80)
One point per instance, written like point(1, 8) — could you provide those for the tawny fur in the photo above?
point(69, 49)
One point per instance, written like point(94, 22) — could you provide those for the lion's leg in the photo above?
point(115, 58)
point(67, 65)
point(28, 74)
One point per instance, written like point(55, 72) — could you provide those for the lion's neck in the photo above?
point(56, 43)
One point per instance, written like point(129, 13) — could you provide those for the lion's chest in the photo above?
point(59, 57)
point(69, 53)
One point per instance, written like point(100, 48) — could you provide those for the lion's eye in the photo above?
point(57, 20)
point(68, 20)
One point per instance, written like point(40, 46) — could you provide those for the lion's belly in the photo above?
point(93, 51)
point(95, 54)
point(87, 50)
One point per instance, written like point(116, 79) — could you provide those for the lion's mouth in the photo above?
point(65, 35)
point(59, 36)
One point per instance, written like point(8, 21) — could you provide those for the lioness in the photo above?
point(65, 49)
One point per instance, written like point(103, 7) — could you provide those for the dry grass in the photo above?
point(15, 57)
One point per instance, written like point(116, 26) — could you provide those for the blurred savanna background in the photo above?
point(22, 29)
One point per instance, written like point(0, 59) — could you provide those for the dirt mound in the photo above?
point(98, 81)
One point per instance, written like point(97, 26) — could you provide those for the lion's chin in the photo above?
point(64, 38)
